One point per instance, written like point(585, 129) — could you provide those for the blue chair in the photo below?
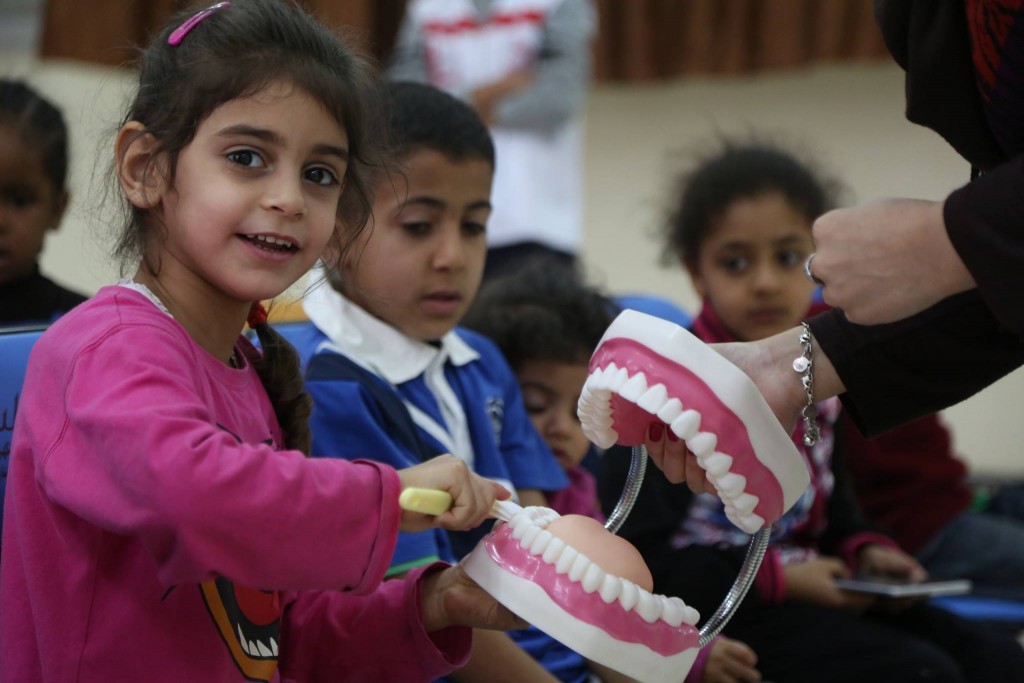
point(999, 611)
point(657, 306)
point(15, 345)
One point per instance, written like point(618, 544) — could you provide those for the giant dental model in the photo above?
point(534, 566)
point(645, 370)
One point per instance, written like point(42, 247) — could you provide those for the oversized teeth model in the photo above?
point(648, 370)
point(554, 586)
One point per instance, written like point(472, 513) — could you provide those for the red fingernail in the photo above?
point(671, 435)
point(654, 431)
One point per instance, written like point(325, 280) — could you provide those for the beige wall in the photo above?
point(849, 117)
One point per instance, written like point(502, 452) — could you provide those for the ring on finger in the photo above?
point(809, 274)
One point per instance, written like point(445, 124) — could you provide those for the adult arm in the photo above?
point(985, 223)
point(890, 374)
point(409, 57)
point(560, 76)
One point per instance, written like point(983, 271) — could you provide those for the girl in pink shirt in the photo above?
point(162, 522)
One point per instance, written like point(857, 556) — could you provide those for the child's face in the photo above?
point(551, 392)
point(255, 196)
point(750, 267)
point(29, 204)
point(419, 265)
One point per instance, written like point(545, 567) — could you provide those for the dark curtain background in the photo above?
point(639, 39)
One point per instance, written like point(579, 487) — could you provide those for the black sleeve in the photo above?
point(931, 41)
point(985, 223)
point(897, 372)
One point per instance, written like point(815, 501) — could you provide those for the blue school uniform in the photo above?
point(381, 395)
point(460, 394)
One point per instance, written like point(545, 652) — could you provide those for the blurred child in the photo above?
point(390, 373)
point(162, 521)
point(742, 229)
point(547, 323)
point(33, 197)
point(526, 67)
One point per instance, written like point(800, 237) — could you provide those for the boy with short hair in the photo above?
point(389, 371)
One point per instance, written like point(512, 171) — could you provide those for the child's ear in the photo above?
point(137, 167)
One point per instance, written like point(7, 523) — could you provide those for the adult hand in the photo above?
point(486, 98)
point(472, 494)
point(769, 364)
point(450, 598)
point(814, 582)
point(672, 457)
point(730, 661)
point(886, 260)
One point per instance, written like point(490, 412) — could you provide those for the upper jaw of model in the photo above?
point(648, 370)
point(608, 619)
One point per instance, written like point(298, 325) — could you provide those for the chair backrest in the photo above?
point(1007, 612)
point(655, 305)
point(15, 345)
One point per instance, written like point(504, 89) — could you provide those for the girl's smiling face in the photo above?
point(750, 266)
point(254, 198)
point(551, 392)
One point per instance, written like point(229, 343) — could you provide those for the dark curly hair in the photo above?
point(741, 170)
point(544, 312)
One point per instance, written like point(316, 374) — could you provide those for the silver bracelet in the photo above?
point(804, 364)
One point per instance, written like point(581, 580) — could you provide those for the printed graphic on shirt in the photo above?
point(249, 621)
point(496, 413)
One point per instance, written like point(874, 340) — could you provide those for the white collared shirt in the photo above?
point(396, 358)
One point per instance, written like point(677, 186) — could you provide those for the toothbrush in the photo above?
point(436, 502)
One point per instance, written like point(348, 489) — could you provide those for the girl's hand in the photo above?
point(886, 561)
point(731, 661)
point(813, 582)
point(472, 494)
point(450, 598)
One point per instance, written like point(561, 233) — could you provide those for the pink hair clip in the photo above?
point(178, 34)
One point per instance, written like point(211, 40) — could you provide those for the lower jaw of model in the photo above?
point(648, 371)
point(607, 619)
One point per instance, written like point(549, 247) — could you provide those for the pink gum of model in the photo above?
point(648, 371)
point(607, 619)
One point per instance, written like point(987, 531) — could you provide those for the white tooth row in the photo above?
point(595, 411)
point(567, 560)
point(256, 648)
point(272, 240)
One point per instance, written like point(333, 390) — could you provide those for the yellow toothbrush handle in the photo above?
point(428, 501)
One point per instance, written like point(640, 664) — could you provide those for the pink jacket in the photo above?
point(154, 532)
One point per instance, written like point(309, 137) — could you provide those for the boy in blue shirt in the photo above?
point(389, 371)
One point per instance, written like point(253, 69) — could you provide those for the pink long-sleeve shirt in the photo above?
point(153, 530)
